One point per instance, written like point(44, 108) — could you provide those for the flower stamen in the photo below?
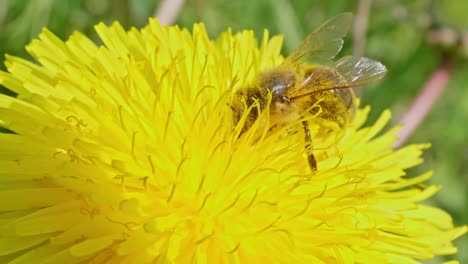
point(268, 226)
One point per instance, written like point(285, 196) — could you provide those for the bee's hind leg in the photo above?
point(308, 147)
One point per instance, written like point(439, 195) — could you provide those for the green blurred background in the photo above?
point(412, 38)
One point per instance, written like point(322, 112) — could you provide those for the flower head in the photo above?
point(127, 153)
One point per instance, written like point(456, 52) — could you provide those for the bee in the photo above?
point(309, 83)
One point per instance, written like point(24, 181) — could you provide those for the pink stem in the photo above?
point(168, 11)
point(423, 103)
point(360, 27)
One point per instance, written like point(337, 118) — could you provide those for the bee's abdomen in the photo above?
point(335, 105)
point(243, 100)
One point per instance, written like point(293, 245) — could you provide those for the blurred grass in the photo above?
point(397, 36)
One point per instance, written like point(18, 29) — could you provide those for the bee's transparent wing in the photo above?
point(324, 43)
point(359, 71)
point(348, 72)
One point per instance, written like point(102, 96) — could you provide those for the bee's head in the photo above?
point(278, 82)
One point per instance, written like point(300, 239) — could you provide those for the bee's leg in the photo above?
point(308, 147)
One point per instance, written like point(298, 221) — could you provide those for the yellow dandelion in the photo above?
point(127, 153)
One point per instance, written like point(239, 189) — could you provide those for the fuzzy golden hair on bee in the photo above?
point(308, 88)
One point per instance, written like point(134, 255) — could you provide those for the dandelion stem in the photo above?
point(168, 11)
point(360, 27)
point(423, 103)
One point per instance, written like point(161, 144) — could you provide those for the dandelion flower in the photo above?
point(125, 153)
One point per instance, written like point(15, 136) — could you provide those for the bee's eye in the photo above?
point(284, 99)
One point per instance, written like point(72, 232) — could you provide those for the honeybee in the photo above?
point(309, 83)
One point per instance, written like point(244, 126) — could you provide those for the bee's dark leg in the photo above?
point(308, 147)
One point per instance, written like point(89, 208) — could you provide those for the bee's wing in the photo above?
point(347, 72)
point(324, 43)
